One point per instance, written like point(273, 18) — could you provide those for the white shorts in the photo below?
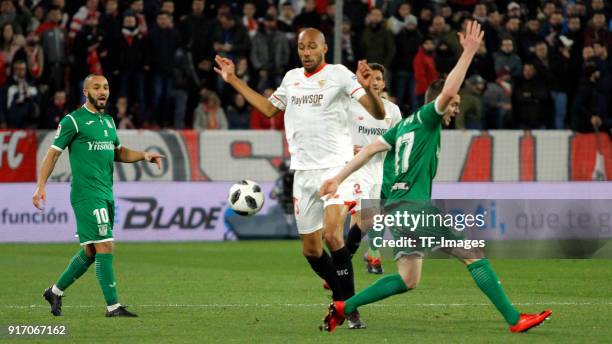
point(365, 187)
point(308, 205)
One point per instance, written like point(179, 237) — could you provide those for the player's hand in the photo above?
point(154, 158)
point(329, 188)
point(472, 37)
point(364, 74)
point(226, 69)
point(39, 199)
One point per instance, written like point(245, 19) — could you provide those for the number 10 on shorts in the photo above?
point(102, 219)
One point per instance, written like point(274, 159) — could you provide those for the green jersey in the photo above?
point(411, 163)
point(92, 140)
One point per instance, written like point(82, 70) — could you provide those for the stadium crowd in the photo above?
point(543, 64)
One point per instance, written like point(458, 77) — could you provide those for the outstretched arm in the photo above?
point(371, 101)
point(226, 70)
point(330, 186)
point(470, 41)
point(47, 166)
point(123, 154)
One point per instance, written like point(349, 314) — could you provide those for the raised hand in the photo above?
point(472, 37)
point(364, 74)
point(226, 69)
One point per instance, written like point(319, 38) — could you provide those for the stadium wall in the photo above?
point(465, 156)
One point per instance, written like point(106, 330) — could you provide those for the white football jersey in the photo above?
point(316, 115)
point(365, 129)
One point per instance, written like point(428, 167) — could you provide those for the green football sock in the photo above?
point(487, 281)
point(383, 288)
point(106, 277)
point(75, 269)
point(373, 250)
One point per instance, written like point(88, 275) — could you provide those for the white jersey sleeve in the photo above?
point(351, 86)
point(279, 97)
point(393, 111)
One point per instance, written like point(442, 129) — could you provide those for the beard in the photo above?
point(95, 103)
point(316, 63)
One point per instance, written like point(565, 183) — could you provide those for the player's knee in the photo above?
point(312, 252)
point(333, 239)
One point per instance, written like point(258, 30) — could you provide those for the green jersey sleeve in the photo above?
point(66, 131)
point(389, 137)
point(428, 114)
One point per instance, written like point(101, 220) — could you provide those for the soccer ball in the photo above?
point(246, 198)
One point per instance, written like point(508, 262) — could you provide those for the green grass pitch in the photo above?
point(264, 292)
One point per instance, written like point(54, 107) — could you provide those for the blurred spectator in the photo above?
point(377, 42)
point(185, 78)
point(497, 102)
point(137, 9)
point(424, 67)
point(134, 61)
point(19, 17)
point(530, 100)
point(285, 20)
point(195, 27)
point(38, 17)
point(529, 38)
point(259, 121)
point(425, 20)
point(230, 39)
point(480, 13)
point(559, 83)
point(248, 18)
point(597, 30)
point(52, 37)
point(506, 59)
point(493, 29)
point(401, 17)
point(512, 28)
point(444, 57)
point(123, 119)
point(110, 23)
point(85, 13)
point(239, 113)
point(86, 58)
point(483, 64)
point(588, 110)
point(407, 42)
point(349, 46)
point(513, 10)
point(270, 54)
point(19, 99)
point(164, 40)
point(440, 31)
point(470, 110)
point(604, 65)
point(209, 114)
point(35, 56)
point(308, 17)
point(55, 110)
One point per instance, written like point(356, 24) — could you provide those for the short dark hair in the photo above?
point(434, 90)
point(378, 67)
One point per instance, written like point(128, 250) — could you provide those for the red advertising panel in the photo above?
point(17, 155)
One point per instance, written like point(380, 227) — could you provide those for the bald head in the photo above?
point(96, 91)
point(311, 34)
point(312, 49)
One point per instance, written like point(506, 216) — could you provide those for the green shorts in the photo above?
point(95, 218)
point(427, 236)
